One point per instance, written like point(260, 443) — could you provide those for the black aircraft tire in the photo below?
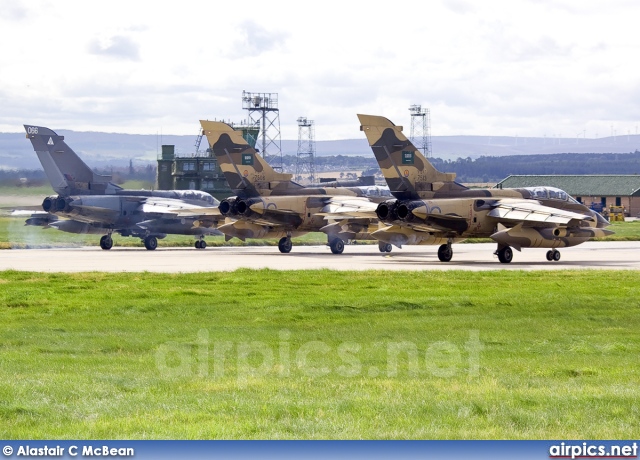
point(337, 246)
point(445, 253)
point(197, 245)
point(556, 256)
point(549, 255)
point(151, 242)
point(385, 247)
point(285, 245)
point(106, 242)
point(203, 244)
point(505, 255)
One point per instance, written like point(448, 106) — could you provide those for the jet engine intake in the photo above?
point(386, 211)
point(49, 203)
point(404, 209)
point(62, 204)
point(243, 207)
point(227, 207)
point(560, 232)
point(56, 203)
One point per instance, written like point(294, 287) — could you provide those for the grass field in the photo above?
point(320, 354)
point(39, 192)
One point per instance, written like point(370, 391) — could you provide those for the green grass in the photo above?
point(38, 193)
point(624, 231)
point(40, 190)
point(111, 356)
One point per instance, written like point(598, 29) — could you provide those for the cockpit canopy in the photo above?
point(196, 195)
point(550, 193)
point(375, 190)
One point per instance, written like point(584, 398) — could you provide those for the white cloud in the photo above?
point(117, 46)
point(496, 67)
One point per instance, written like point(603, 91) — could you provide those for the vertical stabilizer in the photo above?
point(246, 172)
point(406, 170)
point(66, 172)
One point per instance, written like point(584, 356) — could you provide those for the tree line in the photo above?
point(485, 169)
point(496, 168)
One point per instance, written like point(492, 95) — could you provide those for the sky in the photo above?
point(502, 68)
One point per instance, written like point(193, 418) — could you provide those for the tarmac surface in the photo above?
point(476, 257)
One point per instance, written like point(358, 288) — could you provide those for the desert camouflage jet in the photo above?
point(270, 205)
point(91, 203)
point(431, 208)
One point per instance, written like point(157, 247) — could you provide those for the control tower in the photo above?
point(263, 112)
point(421, 129)
point(305, 164)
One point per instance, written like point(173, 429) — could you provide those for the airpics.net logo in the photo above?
point(591, 450)
point(285, 357)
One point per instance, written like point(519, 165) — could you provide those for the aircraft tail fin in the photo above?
point(246, 172)
point(67, 173)
point(405, 169)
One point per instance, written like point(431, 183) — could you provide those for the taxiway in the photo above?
point(591, 255)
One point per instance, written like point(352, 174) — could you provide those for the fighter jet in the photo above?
point(90, 203)
point(269, 204)
point(431, 208)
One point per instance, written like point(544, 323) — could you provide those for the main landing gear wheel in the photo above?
point(445, 253)
point(553, 255)
point(505, 255)
point(106, 242)
point(150, 242)
point(385, 247)
point(201, 244)
point(285, 245)
point(337, 246)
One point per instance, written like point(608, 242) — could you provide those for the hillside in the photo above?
point(112, 149)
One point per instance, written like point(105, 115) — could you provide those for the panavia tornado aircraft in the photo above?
point(431, 208)
point(91, 203)
point(270, 205)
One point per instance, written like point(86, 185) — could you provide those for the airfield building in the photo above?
point(196, 171)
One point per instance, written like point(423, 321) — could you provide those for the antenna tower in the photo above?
point(263, 113)
point(421, 129)
point(306, 150)
point(199, 140)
